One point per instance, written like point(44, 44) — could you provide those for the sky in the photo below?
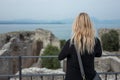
point(58, 9)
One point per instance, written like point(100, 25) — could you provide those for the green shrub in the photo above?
point(51, 63)
point(110, 41)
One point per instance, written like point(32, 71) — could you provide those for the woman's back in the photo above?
point(73, 72)
point(83, 41)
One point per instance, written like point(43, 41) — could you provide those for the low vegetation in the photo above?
point(51, 63)
point(110, 41)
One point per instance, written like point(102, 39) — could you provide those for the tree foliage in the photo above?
point(51, 63)
point(110, 41)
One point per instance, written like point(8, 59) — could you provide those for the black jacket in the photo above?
point(73, 70)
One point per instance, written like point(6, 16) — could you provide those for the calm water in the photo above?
point(62, 31)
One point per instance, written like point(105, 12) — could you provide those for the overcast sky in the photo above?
point(58, 9)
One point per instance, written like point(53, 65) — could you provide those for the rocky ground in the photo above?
point(47, 72)
point(32, 43)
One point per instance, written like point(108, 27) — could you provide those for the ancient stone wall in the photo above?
point(25, 43)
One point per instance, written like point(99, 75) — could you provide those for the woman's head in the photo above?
point(83, 33)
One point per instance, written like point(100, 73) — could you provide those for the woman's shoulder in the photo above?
point(97, 42)
point(97, 39)
point(68, 41)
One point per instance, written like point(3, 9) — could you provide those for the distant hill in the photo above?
point(63, 21)
point(97, 21)
point(30, 22)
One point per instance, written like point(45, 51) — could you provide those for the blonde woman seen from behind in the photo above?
point(84, 42)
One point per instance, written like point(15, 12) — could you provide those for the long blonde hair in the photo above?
point(83, 36)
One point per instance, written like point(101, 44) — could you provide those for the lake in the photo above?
point(62, 31)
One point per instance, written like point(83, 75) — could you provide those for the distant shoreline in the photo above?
point(62, 31)
point(33, 23)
